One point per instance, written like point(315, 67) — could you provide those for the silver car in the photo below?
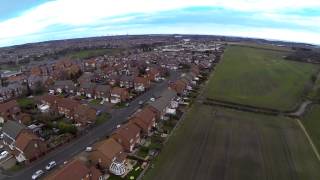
point(37, 174)
point(51, 165)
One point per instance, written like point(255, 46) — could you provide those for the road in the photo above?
point(69, 150)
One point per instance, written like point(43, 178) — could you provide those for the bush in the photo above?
point(26, 103)
point(102, 118)
point(67, 128)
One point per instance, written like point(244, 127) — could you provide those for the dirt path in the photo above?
point(302, 108)
point(314, 148)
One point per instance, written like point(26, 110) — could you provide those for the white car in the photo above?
point(4, 154)
point(51, 165)
point(37, 174)
point(88, 149)
point(141, 102)
point(152, 99)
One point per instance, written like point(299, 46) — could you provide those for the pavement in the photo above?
point(66, 152)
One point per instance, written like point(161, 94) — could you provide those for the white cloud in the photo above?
point(90, 12)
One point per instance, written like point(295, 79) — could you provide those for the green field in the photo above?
point(260, 77)
point(311, 121)
point(84, 54)
point(231, 145)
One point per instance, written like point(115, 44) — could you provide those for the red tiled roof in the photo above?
point(24, 138)
point(128, 131)
point(75, 170)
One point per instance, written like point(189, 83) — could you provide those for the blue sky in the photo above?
point(40, 20)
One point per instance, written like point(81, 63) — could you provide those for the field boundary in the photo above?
point(254, 109)
point(263, 48)
point(314, 148)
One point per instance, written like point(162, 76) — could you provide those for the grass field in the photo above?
point(261, 46)
point(314, 93)
point(84, 54)
point(312, 124)
point(261, 78)
point(232, 145)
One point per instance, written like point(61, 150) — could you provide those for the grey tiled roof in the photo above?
point(164, 100)
point(12, 128)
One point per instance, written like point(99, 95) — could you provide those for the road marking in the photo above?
point(314, 148)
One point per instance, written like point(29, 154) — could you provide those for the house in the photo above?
point(36, 71)
point(102, 92)
point(87, 89)
point(9, 110)
point(145, 119)
point(128, 136)
point(85, 78)
point(119, 95)
point(75, 170)
point(47, 102)
point(84, 114)
point(67, 107)
point(25, 145)
point(109, 154)
point(179, 86)
point(90, 64)
point(23, 118)
point(114, 80)
point(62, 86)
point(35, 82)
point(10, 131)
point(141, 84)
point(196, 70)
point(72, 109)
point(29, 147)
point(11, 91)
point(154, 74)
point(126, 81)
point(164, 104)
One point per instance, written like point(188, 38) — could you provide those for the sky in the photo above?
point(25, 21)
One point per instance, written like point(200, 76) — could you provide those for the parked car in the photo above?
point(98, 113)
point(141, 102)
point(4, 154)
point(37, 174)
point(88, 149)
point(51, 165)
point(152, 99)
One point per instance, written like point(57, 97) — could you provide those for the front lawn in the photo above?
point(102, 118)
point(26, 103)
point(95, 101)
